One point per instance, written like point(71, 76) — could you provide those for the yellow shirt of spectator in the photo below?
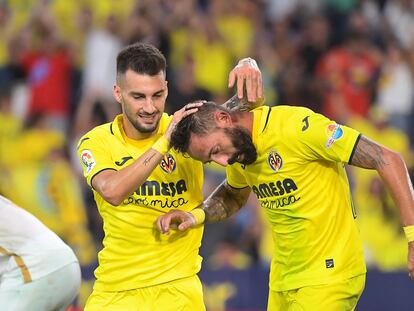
point(134, 253)
point(301, 183)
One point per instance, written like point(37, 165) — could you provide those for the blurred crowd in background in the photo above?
point(350, 60)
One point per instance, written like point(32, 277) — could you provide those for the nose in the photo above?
point(221, 159)
point(148, 106)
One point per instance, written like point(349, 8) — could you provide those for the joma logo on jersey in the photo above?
point(272, 189)
point(168, 163)
point(123, 161)
point(153, 187)
point(274, 160)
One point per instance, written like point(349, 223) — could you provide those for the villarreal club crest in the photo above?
point(274, 160)
point(168, 163)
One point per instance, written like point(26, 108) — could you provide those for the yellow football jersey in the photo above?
point(300, 181)
point(134, 253)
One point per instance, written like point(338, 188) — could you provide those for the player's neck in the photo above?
point(244, 120)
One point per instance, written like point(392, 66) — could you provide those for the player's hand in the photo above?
point(247, 72)
point(176, 219)
point(410, 261)
point(180, 114)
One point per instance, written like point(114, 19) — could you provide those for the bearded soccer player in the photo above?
point(135, 179)
point(293, 160)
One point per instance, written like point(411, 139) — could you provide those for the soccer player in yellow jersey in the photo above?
point(136, 178)
point(293, 160)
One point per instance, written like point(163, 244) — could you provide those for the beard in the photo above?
point(243, 144)
point(141, 127)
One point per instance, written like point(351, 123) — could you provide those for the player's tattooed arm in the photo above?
point(148, 159)
point(224, 202)
point(368, 154)
point(242, 104)
point(393, 171)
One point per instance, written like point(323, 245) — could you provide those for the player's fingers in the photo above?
point(159, 226)
point(255, 87)
point(240, 84)
point(251, 92)
point(191, 108)
point(190, 111)
point(198, 103)
point(232, 78)
point(165, 223)
point(185, 225)
point(259, 86)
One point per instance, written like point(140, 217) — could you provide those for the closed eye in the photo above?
point(213, 151)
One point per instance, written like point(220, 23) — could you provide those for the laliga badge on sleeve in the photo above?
point(334, 133)
point(88, 160)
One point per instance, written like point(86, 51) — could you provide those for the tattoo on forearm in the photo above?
point(147, 160)
point(223, 203)
point(368, 154)
point(232, 103)
point(237, 104)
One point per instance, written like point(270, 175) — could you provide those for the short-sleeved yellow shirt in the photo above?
point(300, 181)
point(134, 253)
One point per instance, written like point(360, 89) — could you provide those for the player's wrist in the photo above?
point(199, 215)
point(248, 60)
point(162, 145)
point(409, 233)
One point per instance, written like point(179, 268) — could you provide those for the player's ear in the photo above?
point(117, 93)
point(222, 118)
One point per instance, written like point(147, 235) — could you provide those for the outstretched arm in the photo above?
point(393, 171)
point(221, 204)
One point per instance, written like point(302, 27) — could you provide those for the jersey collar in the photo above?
point(260, 119)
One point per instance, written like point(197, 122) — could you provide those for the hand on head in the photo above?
point(247, 73)
point(182, 113)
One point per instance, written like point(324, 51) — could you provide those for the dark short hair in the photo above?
point(142, 58)
point(200, 122)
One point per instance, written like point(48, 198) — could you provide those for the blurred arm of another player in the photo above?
point(393, 171)
point(224, 202)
